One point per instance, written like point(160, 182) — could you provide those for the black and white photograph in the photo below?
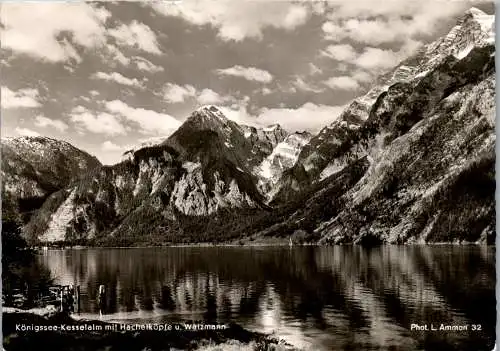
point(268, 175)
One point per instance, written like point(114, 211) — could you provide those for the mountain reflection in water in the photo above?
point(322, 298)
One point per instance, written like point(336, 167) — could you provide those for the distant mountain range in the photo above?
point(412, 161)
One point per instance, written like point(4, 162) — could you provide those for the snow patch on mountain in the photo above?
point(284, 156)
point(487, 22)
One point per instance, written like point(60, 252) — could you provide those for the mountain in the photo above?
point(318, 159)
point(473, 29)
point(35, 167)
point(424, 157)
point(283, 157)
point(200, 171)
point(217, 160)
point(410, 161)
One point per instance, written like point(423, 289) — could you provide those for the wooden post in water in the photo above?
point(78, 298)
point(62, 306)
point(101, 299)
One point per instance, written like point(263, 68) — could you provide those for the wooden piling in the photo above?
point(77, 298)
point(62, 304)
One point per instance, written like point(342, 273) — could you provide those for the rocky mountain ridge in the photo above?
point(411, 161)
point(474, 29)
point(206, 166)
point(427, 152)
point(35, 167)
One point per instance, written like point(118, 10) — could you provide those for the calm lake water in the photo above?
point(317, 298)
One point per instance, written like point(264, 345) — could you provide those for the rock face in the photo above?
point(318, 159)
point(427, 161)
point(425, 152)
point(411, 161)
point(205, 167)
point(282, 158)
point(35, 167)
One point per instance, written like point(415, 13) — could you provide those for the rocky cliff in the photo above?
point(426, 156)
point(410, 161)
point(204, 168)
point(35, 167)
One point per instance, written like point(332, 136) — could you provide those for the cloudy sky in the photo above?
point(106, 76)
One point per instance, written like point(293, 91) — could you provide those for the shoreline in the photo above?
point(25, 330)
point(205, 245)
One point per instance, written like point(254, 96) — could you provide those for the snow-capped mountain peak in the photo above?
point(480, 16)
point(474, 28)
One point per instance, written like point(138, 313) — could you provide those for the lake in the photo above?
point(317, 298)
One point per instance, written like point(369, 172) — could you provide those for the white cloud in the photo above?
point(69, 68)
point(296, 14)
point(146, 65)
point(238, 22)
point(42, 121)
point(313, 69)
point(318, 7)
point(118, 78)
point(79, 109)
point(239, 114)
point(249, 73)
point(362, 76)
point(115, 55)
point(266, 91)
point(300, 84)
point(110, 146)
point(33, 28)
point(137, 35)
point(394, 20)
point(377, 58)
point(309, 116)
point(342, 82)
point(17, 99)
point(26, 132)
point(208, 96)
point(342, 52)
point(150, 122)
point(149, 141)
point(333, 31)
point(94, 92)
point(365, 8)
point(342, 67)
point(399, 23)
point(100, 123)
point(176, 93)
